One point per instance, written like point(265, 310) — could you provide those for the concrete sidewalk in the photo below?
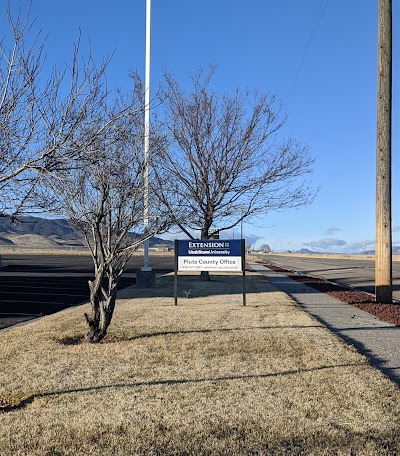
point(376, 339)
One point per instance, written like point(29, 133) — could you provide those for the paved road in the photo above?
point(44, 284)
point(355, 273)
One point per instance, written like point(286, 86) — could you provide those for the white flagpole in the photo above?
point(147, 134)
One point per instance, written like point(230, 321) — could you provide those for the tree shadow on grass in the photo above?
point(192, 286)
point(169, 382)
point(78, 339)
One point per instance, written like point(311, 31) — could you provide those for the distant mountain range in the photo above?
point(37, 231)
point(395, 251)
point(41, 232)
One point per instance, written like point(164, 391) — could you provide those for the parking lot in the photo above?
point(44, 284)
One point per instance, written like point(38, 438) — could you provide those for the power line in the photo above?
point(317, 21)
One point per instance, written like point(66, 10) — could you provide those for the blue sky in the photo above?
point(319, 56)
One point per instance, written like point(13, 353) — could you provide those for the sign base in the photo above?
point(145, 279)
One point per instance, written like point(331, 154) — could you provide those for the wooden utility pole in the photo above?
point(383, 255)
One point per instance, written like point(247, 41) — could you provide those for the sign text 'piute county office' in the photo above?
point(210, 255)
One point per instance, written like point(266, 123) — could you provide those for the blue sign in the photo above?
point(210, 255)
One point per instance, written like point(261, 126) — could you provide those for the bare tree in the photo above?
point(101, 193)
point(226, 157)
point(39, 114)
point(265, 248)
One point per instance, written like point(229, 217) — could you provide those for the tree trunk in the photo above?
point(103, 305)
point(205, 275)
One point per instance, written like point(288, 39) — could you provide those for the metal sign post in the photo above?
point(244, 270)
point(176, 274)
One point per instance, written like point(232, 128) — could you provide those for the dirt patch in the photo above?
point(360, 299)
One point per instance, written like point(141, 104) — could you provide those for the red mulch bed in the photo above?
point(360, 299)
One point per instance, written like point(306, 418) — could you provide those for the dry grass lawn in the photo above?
point(206, 377)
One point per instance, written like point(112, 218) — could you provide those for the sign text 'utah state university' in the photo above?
point(210, 255)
